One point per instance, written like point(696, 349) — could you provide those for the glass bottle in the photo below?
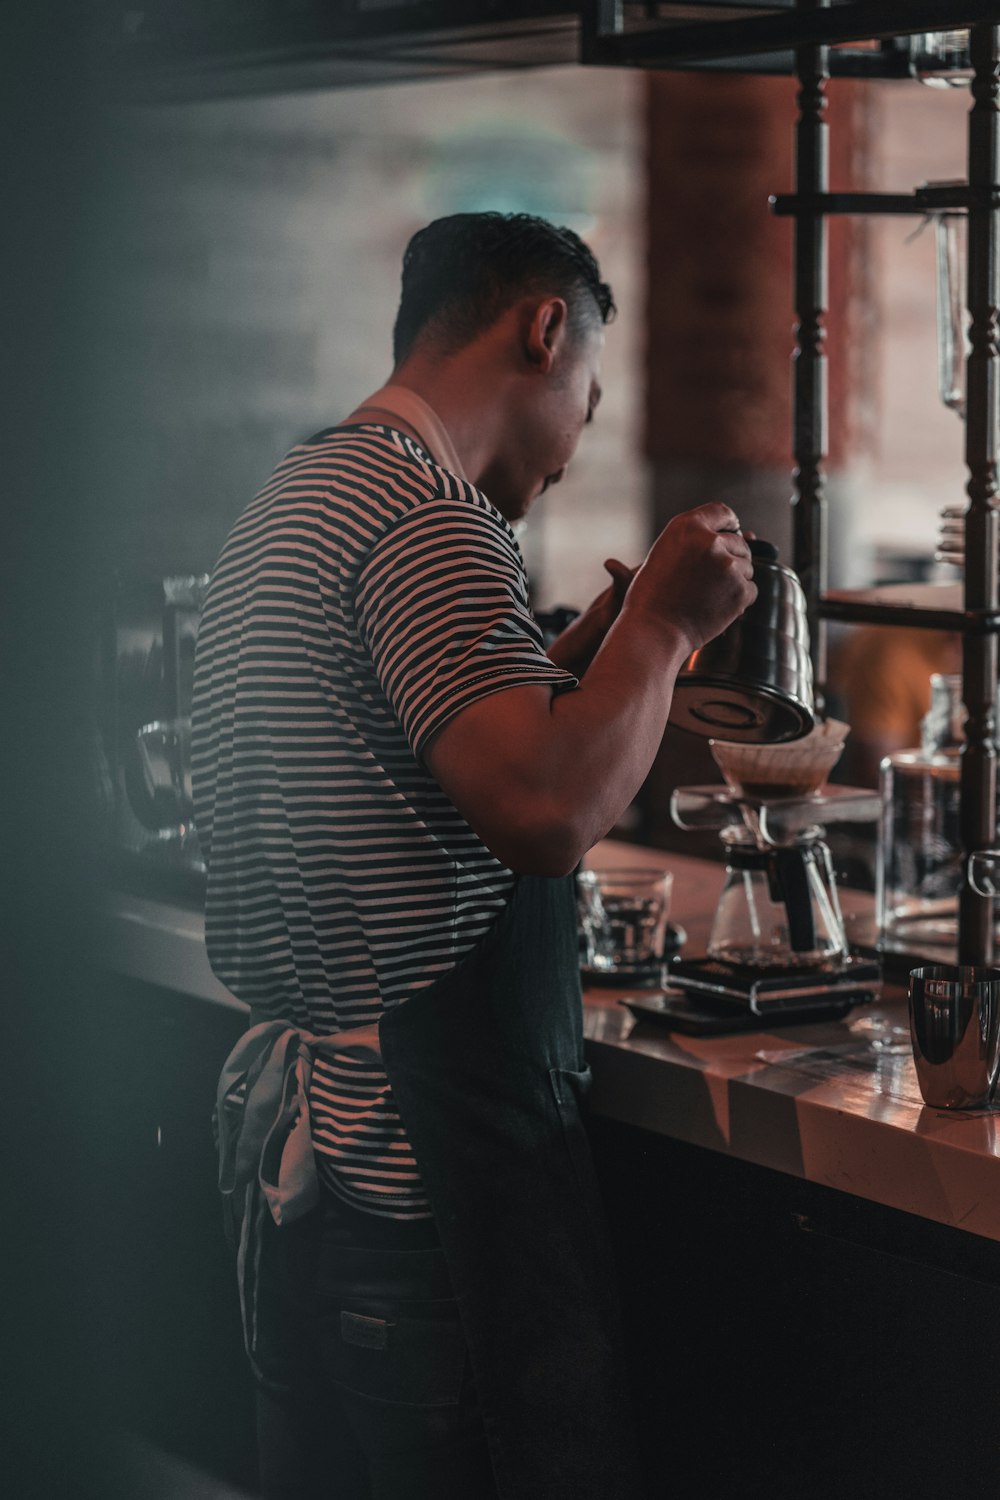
point(941, 58)
point(920, 863)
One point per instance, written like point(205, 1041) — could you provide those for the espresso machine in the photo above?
point(146, 740)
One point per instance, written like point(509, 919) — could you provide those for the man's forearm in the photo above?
point(563, 767)
point(605, 736)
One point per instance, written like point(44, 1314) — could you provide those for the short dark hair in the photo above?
point(462, 272)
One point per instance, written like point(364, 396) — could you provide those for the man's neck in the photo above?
point(467, 401)
point(408, 412)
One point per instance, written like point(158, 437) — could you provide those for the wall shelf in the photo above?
point(181, 49)
point(954, 198)
point(927, 606)
point(688, 35)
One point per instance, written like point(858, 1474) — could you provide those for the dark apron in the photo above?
point(487, 1070)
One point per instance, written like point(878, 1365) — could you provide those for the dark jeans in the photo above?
point(375, 1399)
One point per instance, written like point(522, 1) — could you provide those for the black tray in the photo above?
point(697, 1015)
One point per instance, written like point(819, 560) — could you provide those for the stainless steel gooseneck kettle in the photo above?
point(753, 683)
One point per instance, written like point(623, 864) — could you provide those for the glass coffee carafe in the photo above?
point(779, 907)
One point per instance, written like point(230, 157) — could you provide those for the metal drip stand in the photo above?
point(779, 945)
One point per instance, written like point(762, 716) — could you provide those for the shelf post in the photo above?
point(979, 652)
point(809, 379)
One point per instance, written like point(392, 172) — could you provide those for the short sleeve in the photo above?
point(442, 607)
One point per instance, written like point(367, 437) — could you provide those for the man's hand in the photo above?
point(697, 576)
point(576, 646)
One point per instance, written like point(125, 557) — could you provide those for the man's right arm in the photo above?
point(541, 777)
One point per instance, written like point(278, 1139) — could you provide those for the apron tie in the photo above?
point(265, 1141)
point(262, 1112)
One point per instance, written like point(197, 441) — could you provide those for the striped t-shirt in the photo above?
point(362, 599)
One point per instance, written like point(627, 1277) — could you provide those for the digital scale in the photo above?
point(777, 949)
point(704, 995)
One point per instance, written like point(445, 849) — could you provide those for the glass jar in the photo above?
point(920, 863)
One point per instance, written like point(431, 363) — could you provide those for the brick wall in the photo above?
point(250, 277)
point(250, 271)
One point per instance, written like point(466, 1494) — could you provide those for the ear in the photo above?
point(544, 332)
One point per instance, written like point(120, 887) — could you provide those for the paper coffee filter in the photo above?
point(792, 770)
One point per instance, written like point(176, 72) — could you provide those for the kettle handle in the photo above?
point(762, 551)
point(793, 885)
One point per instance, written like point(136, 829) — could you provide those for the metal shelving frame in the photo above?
point(805, 35)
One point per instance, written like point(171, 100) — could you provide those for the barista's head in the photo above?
point(461, 273)
point(501, 327)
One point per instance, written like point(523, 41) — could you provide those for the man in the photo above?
point(393, 785)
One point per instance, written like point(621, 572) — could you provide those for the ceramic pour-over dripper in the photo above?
point(790, 770)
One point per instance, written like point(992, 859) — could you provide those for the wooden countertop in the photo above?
point(836, 1103)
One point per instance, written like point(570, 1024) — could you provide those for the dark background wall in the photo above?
point(47, 192)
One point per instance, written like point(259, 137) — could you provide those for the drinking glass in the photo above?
point(623, 920)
